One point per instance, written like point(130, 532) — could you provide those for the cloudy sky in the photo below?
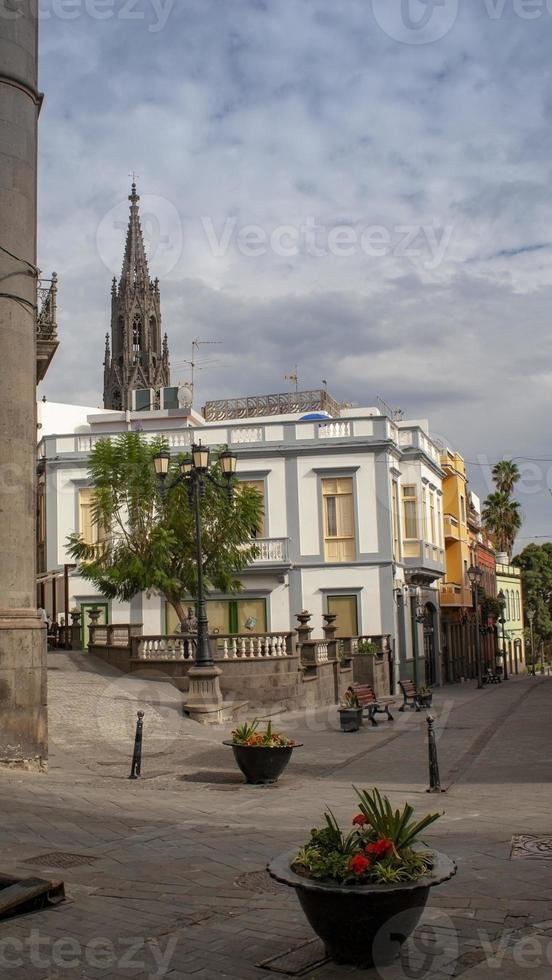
point(360, 189)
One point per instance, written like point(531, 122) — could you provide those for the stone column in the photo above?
point(23, 720)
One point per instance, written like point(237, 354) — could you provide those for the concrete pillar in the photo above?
point(23, 731)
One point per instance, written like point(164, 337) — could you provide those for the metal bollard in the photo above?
point(434, 777)
point(137, 757)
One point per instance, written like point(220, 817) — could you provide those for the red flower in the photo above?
point(360, 820)
point(358, 864)
point(380, 847)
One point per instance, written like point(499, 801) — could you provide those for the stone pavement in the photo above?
point(165, 875)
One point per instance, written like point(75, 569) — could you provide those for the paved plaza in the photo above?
point(165, 875)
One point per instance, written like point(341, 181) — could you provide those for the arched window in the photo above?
point(153, 334)
point(119, 339)
point(507, 593)
point(513, 603)
point(518, 606)
point(137, 337)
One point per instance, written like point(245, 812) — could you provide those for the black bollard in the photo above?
point(434, 777)
point(137, 757)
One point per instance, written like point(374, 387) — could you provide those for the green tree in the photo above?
point(502, 518)
point(535, 562)
point(505, 476)
point(147, 543)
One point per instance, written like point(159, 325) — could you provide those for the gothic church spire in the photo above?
point(138, 358)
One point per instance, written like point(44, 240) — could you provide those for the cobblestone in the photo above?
point(169, 849)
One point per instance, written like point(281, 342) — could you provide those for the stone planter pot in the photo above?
point(350, 719)
point(260, 764)
point(424, 700)
point(365, 925)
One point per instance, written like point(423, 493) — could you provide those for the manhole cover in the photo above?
point(298, 961)
point(60, 860)
point(260, 883)
point(531, 846)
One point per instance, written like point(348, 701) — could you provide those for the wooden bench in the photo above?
point(409, 695)
point(371, 704)
point(491, 676)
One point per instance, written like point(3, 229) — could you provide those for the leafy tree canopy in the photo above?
point(150, 544)
point(501, 513)
point(535, 562)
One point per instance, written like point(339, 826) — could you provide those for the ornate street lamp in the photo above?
point(530, 617)
point(194, 471)
point(502, 602)
point(475, 576)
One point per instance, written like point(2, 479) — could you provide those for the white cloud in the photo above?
point(272, 114)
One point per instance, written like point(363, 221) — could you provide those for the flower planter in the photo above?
point(261, 765)
point(364, 925)
point(350, 719)
point(424, 700)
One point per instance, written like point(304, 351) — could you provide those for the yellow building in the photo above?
point(455, 588)
point(508, 580)
point(461, 640)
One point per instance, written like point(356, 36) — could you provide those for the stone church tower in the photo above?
point(136, 358)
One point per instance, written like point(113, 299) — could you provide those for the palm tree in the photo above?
point(502, 518)
point(505, 476)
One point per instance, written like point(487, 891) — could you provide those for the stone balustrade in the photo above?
point(271, 550)
point(116, 635)
point(257, 647)
point(164, 648)
point(335, 430)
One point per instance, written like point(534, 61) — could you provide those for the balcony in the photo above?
point(423, 560)
point(455, 595)
point(273, 553)
point(452, 528)
point(47, 341)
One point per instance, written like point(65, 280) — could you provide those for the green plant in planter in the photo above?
point(380, 849)
point(424, 692)
point(366, 646)
point(247, 734)
point(350, 700)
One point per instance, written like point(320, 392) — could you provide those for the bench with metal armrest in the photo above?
point(371, 704)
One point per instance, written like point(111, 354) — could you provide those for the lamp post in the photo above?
point(502, 602)
point(204, 693)
point(475, 575)
point(530, 617)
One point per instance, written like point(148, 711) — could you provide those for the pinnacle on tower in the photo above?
point(137, 357)
point(135, 263)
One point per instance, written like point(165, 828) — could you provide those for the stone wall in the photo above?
point(279, 683)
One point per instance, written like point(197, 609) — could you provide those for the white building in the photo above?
point(352, 522)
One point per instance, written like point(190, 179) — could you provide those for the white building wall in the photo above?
point(364, 581)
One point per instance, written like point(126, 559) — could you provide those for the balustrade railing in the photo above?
point(251, 434)
point(261, 646)
point(258, 647)
point(271, 550)
point(114, 635)
point(164, 648)
point(334, 430)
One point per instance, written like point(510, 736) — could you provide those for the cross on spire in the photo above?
point(134, 196)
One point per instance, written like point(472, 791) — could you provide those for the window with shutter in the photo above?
point(259, 486)
point(91, 533)
point(410, 512)
point(339, 520)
